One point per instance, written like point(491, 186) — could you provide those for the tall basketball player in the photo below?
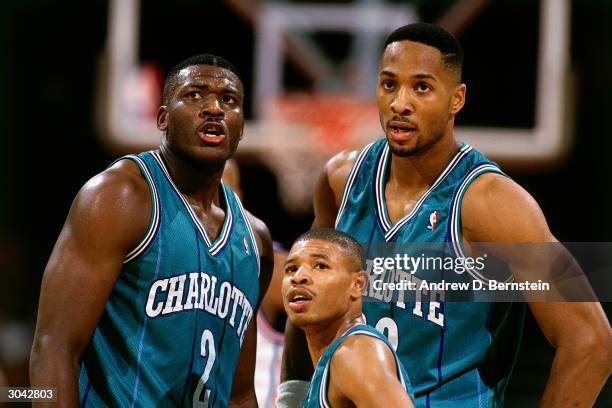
point(356, 365)
point(420, 184)
point(149, 294)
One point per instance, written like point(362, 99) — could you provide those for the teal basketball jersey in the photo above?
point(171, 331)
point(456, 353)
point(316, 397)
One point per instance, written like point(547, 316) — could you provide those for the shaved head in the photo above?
point(350, 247)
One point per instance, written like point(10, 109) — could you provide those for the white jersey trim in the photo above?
point(455, 216)
point(250, 231)
point(391, 230)
point(323, 401)
point(155, 211)
point(350, 180)
point(219, 243)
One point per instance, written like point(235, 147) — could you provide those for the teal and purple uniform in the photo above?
point(171, 331)
point(456, 353)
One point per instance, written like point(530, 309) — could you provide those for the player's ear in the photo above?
point(162, 118)
point(458, 99)
point(359, 284)
point(242, 114)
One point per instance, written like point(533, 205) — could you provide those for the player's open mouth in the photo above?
point(401, 130)
point(212, 133)
point(298, 299)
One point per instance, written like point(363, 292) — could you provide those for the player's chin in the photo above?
point(301, 320)
point(212, 154)
point(403, 149)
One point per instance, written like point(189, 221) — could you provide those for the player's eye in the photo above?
point(228, 99)
point(387, 84)
point(290, 269)
point(321, 265)
point(423, 87)
point(195, 95)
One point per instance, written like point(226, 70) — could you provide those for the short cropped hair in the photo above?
point(434, 36)
point(202, 59)
point(344, 241)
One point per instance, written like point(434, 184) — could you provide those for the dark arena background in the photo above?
point(80, 78)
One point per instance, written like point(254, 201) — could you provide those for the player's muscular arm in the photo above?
point(243, 386)
point(495, 209)
point(329, 187)
point(363, 373)
point(107, 218)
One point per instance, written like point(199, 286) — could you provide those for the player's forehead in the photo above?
point(304, 250)
point(208, 75)
point(409, 58)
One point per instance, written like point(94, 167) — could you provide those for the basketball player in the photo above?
point(149, 294)
point(355, 364)
point(420, 184)
point(271, 317)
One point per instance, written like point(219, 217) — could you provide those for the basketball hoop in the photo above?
point(301, 131)
point(331, 120)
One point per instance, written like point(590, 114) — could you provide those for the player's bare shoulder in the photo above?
point(357, 355)
point(350, 354)
point(329, 188)
point(337, 170)
point(122, 182)
point(118, 196)
point(496, 209)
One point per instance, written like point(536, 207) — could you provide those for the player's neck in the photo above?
point(421, 169)
point(199, 183)
point(319, 337)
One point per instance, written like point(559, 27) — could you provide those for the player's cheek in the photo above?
point(285, 285)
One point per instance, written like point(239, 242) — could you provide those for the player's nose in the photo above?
point(301, 276)
point(211, 107)
point(402, 102)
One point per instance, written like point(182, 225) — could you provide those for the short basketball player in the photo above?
point(271, 317)
point(420, 184)
point(149, 295)
point(355, 364)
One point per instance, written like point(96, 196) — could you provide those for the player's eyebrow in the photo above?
point(292, 260)
point(422, 75)
point(201, 85)
point(322, 256)
point(425, 76)
point(387, 73)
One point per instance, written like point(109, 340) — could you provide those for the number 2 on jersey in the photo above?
point(207, 350)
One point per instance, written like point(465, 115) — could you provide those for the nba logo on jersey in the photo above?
point(433, 219)
point(246, 245)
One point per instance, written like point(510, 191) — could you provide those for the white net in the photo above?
point(301, 132)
